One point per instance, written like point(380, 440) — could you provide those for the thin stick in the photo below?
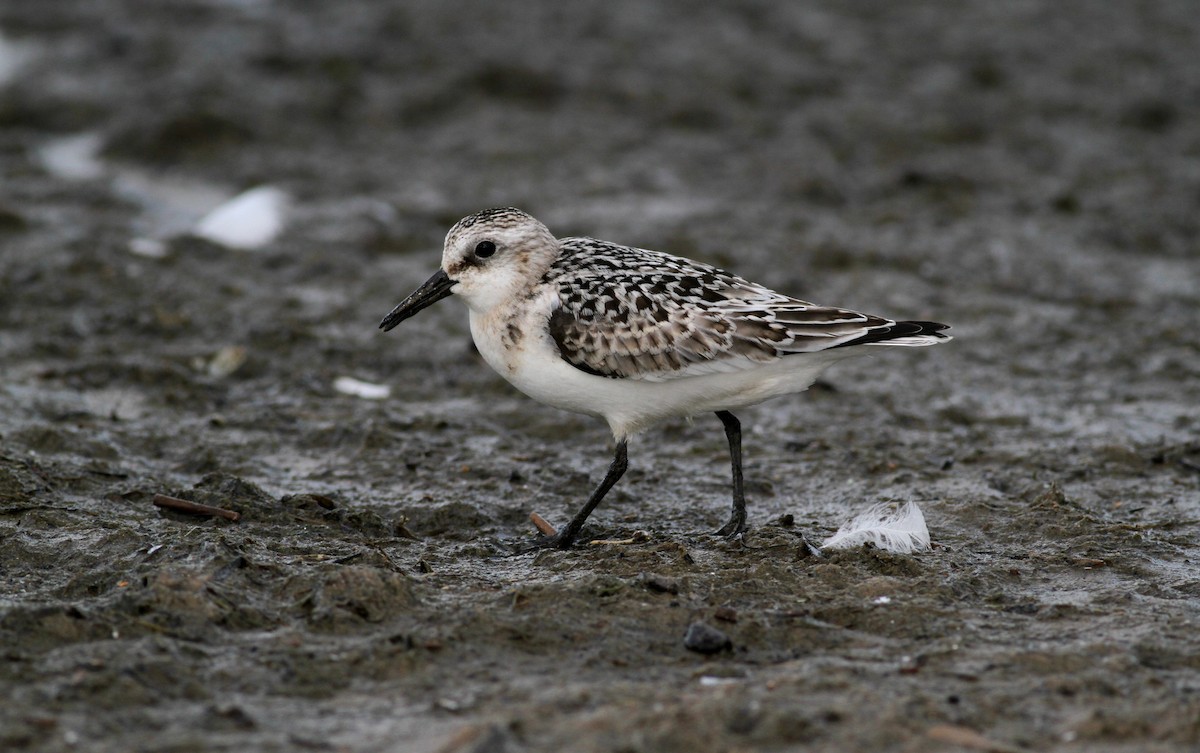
point(540, 523)
point(967, 738)
point(194, 508)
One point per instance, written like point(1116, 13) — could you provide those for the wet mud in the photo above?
point(1028, 173)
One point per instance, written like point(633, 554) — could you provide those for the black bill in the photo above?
point(435, 289)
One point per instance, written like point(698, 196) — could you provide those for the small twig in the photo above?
point(638, 537)
point(966, 737)
point(540, 523)
point(194, 508)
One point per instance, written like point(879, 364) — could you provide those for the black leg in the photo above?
point(737, 517)
point(566, 535)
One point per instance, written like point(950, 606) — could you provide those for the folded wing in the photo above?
point(636, 314)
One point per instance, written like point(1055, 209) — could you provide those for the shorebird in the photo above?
point(636, 336)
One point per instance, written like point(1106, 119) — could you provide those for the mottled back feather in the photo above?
point(636, 314)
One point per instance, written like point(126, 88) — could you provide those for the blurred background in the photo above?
point(206, 206)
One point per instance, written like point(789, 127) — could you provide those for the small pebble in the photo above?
point(661, 583)
point(705, 639)
point(726, 614)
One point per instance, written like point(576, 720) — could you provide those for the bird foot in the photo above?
point(556, 541)
point(734, 528)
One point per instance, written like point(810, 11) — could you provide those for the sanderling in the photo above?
point(636, 336)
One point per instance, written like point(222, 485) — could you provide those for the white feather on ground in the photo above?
point(901, 530)
point(248, 221)
point(358, 388)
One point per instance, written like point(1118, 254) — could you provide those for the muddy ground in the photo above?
point(1027, 172)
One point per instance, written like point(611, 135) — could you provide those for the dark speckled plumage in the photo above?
point(638, 314)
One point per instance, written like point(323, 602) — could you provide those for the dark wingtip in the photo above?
point(899, 330)
point(922, 328)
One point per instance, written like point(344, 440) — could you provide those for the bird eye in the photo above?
point(485, 249)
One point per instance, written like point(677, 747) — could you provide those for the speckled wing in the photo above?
point(635, 314)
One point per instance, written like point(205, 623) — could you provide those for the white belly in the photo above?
point(531, 363)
